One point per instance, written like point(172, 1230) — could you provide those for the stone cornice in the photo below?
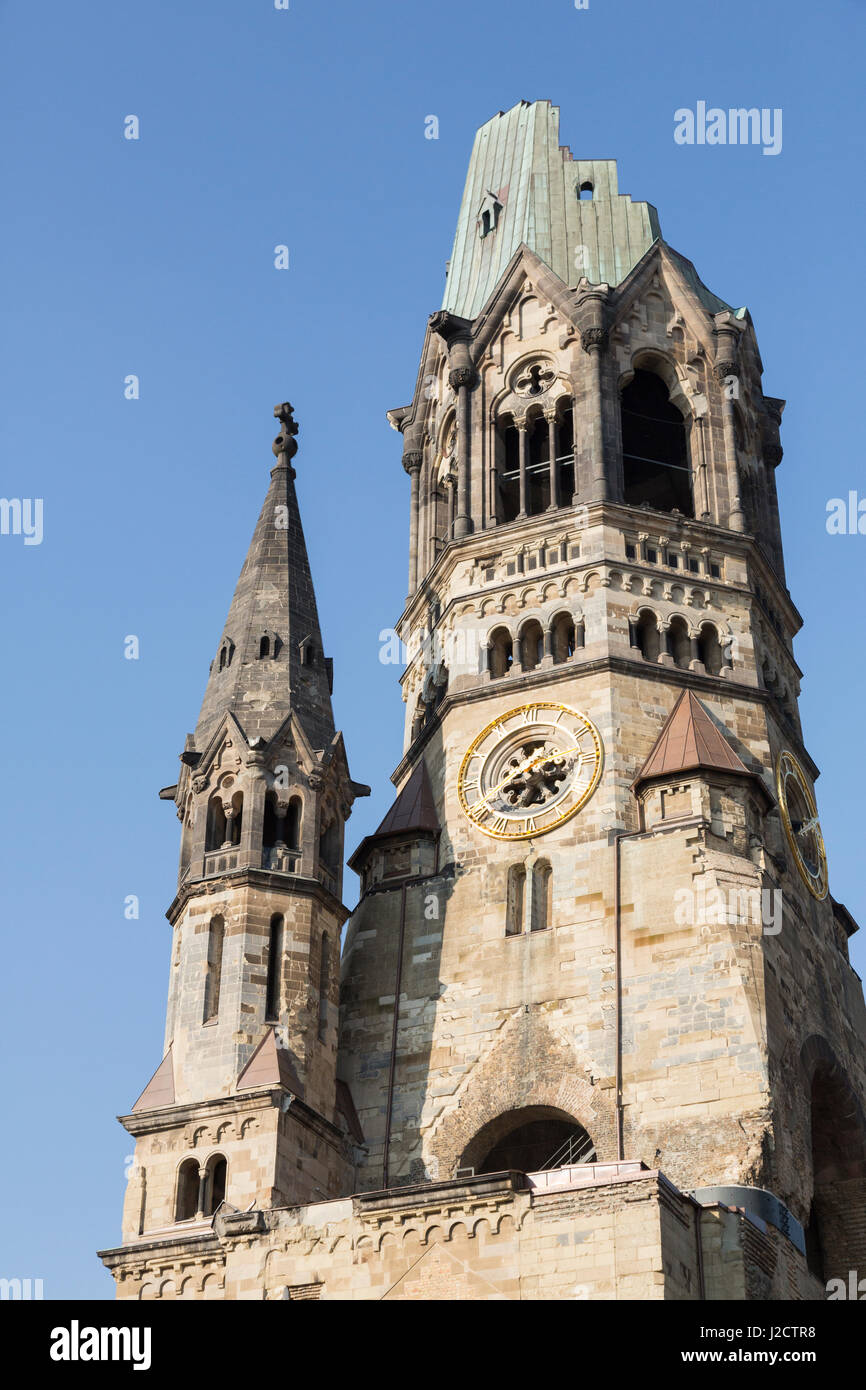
point(250, 877)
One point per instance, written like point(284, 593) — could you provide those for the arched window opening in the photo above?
point(215, 833)
point(530, 1140)
point(710, 649)
point(585, 192)
point(835, 1241)
point(678, 638)
point(324, 985)
point(264, 646)
point(273, 987)
point(186, 1201)
point(223, 658)
point(509, 472)
point(215, 1189)
point(655, 455)
point(542, 896)
point(648, 635)
point(293, 823)
point(531, 645)
point(564, 638)
point(501, 652)
point(272, 825)
point(213, 973)
point(233, 829)
point(538, 467)
point(329, 845)
point(565, 456)
point(485, 224)
point(515, 896)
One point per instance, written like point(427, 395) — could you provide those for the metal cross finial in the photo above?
point(285, 440)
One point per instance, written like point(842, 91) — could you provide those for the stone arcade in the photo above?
point(530, 1076)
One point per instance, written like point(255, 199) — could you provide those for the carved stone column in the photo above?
point(727, 372)
point(521, 438)
point(594, 344)
point(412, 460)
point(462, 379)
point(550, 416)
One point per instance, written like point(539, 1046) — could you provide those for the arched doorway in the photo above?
point(836, 1229)
point(529, 1140)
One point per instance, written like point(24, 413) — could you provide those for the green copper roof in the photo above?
point(517, 161)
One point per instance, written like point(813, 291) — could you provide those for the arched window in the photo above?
point(293, 823)
point(264, 646)
point(273, 987)
point(648, 635)
point(533, 1139)
point(531, 645)
point(542, 896)
point(710, 649)
point(186, 1201)
point(538, 467)
point(680, 647)
point(584, 192)
point(213, 973)
point(215, 1183)
point(324, 985)
point(233, 831)
point(509, 471)
point(515, 895)
point(563, 638)
point(225, 654)
point(654, 451)
point(501, 652)
point(329, 844)
point(215, 833)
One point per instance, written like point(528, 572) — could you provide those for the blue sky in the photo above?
point(155, 257)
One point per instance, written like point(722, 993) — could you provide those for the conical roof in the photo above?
point(690, 740)
point(273, 611)
point(413, 809)
point(159, 1089)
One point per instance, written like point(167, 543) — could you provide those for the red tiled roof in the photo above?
point(688, 741)
point(159, 1089)
point(270, 1066)
point(414, 808)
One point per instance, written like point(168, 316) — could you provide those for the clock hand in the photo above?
point(518, 771)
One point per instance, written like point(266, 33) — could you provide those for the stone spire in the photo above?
point(269, 659)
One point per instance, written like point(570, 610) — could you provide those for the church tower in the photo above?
point(244, 1109)
point(596, 925)
point(594, 1032)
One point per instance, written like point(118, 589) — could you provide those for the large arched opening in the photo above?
point(529, 1140)
point(836, 1228)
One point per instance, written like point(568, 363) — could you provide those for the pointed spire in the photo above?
point(688, 741)
point(269, 659)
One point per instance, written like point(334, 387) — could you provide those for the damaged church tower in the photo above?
point(596, 986)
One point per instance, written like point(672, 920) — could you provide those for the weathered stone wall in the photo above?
point(629, 1235)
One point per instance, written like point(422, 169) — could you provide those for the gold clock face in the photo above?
point(530, 770)
point(800, 819)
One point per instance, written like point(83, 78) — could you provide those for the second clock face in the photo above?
point(800, 819)
point(530, 770)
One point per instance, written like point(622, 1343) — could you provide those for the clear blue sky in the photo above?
point(155, 257)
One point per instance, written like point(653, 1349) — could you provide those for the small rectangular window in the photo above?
point(672, 561)
point(533, 562)
point(715, 570)
point(630, 552)
point(652, 556)
point(575, 552)
point(553, 556)
point(694, 567)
